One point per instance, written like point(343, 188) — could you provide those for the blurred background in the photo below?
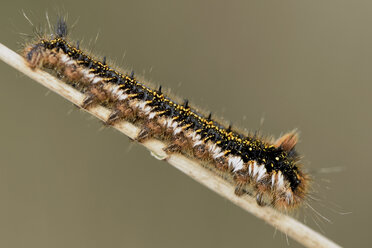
point(264, 65)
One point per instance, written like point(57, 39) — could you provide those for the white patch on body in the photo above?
point(177, 130)
point(272, 180)
point(261, 172)
point(152, 115)
point(96, 80)
point(236, 163)
point(64, 58)
point(280, 182)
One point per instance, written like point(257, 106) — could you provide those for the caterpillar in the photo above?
point(269, 170)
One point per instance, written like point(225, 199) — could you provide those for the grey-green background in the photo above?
point(65, 182)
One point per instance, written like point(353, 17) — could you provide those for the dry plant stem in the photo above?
point(282, 222)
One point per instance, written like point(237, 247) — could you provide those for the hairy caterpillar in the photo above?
point(268, 170)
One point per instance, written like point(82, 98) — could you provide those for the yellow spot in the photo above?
point(186, 126)
point(107, 79)
point(161, 112)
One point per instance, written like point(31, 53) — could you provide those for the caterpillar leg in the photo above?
point(89, 100)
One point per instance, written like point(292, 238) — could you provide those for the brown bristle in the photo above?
point(288, 141)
